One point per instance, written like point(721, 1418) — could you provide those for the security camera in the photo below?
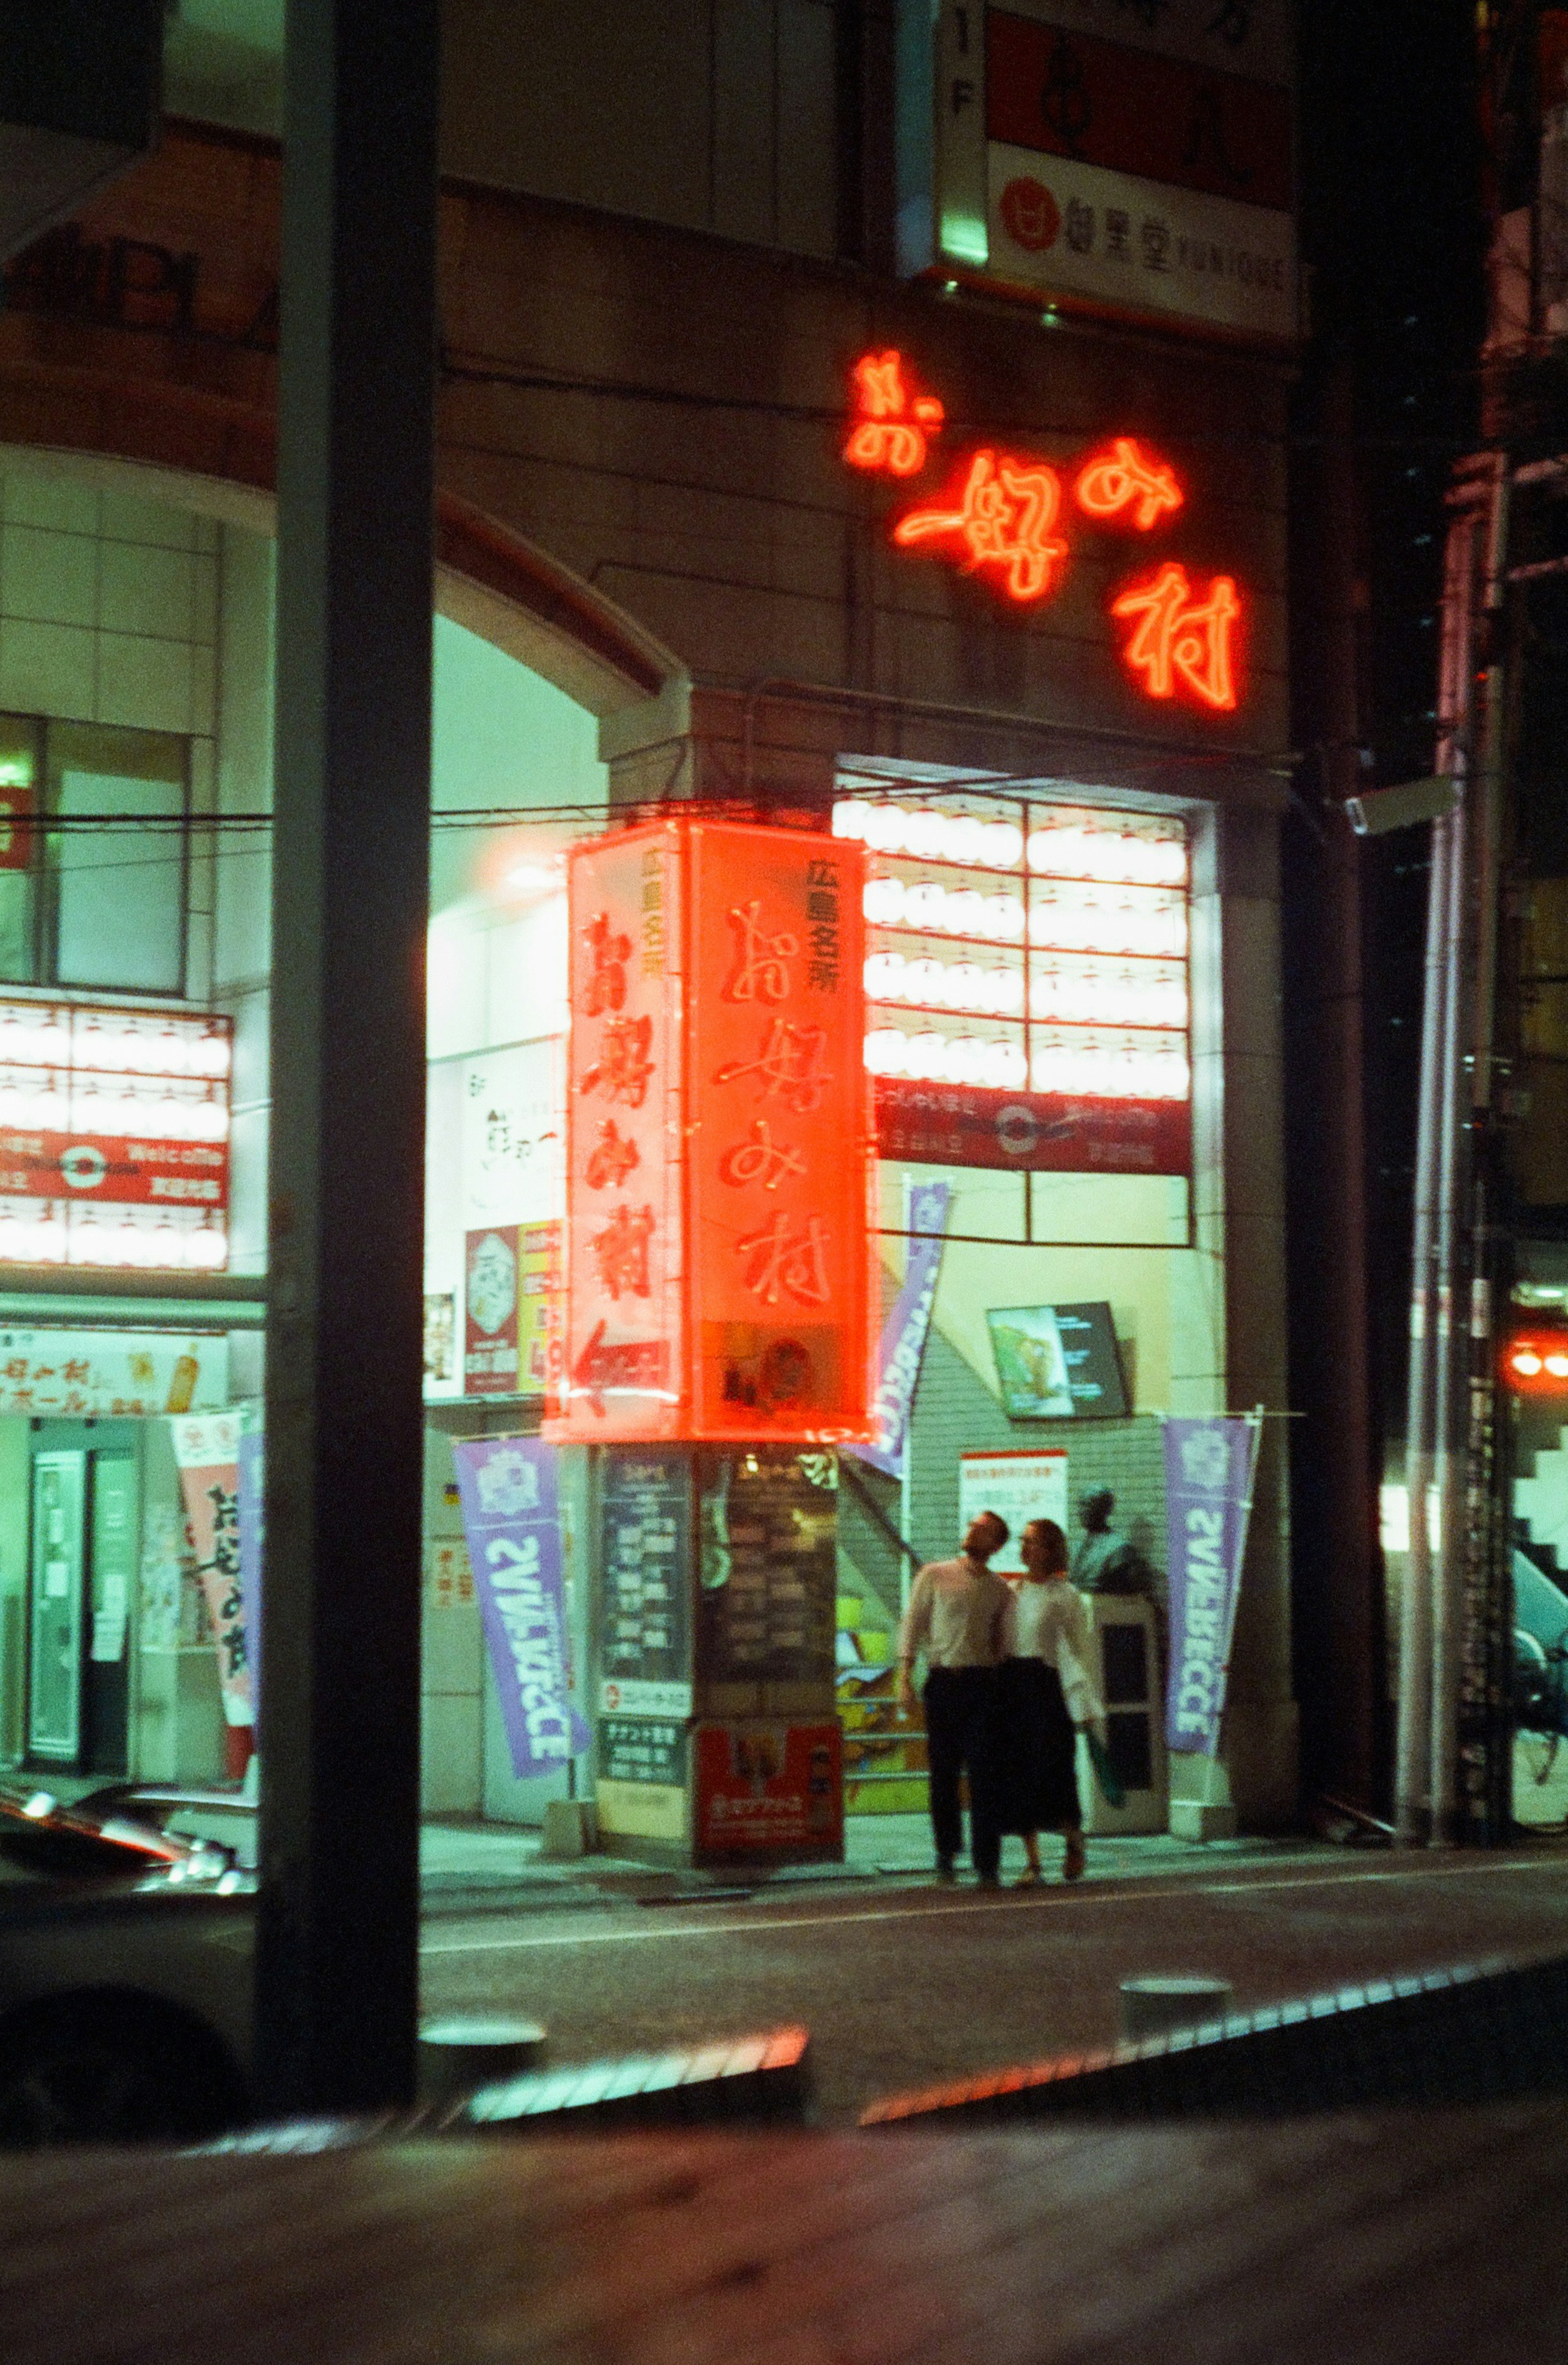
point(1381, 810)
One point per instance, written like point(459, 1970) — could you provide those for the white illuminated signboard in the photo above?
point(1131, 160)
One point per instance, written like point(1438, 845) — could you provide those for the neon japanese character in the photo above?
point(1179, 637)
point(1004, 519)
point(1114, 480)
point(789, 1066)
point(760, 974)
point(783, 1258)
point(609, 950)
point(622, 1068)
point(611, 1159)
point(887, 435)
point(621, 1251)
point(760, 1158)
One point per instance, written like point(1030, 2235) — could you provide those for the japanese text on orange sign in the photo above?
point(718, 1261)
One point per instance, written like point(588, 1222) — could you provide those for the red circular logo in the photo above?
point(1030, 215)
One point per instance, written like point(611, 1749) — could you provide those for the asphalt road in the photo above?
point(903, 1986)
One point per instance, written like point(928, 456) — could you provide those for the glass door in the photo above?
point(54, 1663)
point(113, 1532)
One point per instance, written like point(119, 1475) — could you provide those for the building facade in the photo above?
point(748, 497)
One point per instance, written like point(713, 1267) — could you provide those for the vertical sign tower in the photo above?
point(720, 1319)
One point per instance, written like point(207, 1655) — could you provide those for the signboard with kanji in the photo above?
point(1131, 159)
point(719, 1274)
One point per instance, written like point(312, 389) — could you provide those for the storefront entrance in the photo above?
point(84, 1496)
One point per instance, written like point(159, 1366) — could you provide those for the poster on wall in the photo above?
point(1209, 1468)
point(644, 1616)
point(1057, 1362)
point(206, 1453)
point(98, 1374)
point(511, 1519)
point(768, 1567)
point(765, 1786)
point(1018, 1487)
point(512, 1148)
point(490, 1329)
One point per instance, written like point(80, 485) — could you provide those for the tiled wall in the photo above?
point(109, 613)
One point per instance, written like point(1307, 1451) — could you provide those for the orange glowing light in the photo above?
point(891, 427)
point(1181, 640)
point(1004, 518)
point(1536, 1363)
point(719, 1274)
point(1114, 480)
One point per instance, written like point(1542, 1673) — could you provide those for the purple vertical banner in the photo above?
point(1209, 1464)
point(252, 1536)
point(903, 1333)
point(510, 1519)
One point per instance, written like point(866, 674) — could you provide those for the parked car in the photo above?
point(125, 1987)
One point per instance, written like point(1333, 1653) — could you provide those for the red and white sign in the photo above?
point(104, 1107)
point(1040, 1133)
point(1018, 1487)
point(206, 1449)
point(18, 808)
point(1136, 161)
point(765, 1787)
point(719, 1254)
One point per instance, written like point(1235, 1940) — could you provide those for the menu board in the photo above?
point(768, 1524)
point(641, 1749)
point(645, 1626)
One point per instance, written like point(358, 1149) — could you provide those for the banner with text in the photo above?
point(903, 1333)
point(206, 1449)
point(1209, 1464)
point(512, 1519)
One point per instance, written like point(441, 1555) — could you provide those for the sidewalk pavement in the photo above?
point(467, 1865)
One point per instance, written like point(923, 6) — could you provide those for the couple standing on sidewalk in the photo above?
point(1006, 1688)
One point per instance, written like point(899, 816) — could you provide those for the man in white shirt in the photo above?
point(960, 1615)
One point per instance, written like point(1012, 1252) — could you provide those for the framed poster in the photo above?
point(1019, 1487)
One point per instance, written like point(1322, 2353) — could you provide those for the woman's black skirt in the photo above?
point(1036, 1759)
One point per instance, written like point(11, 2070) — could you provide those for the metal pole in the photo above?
point(1430, 1276)
point(1413, 1733)
point(338, 1924)
point(1449, 1370)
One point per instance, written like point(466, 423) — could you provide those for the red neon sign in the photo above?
point(1004, 517)
point(719, 1280)
point(892, 429)
point(1005, 513)
point(1113, 481)
point(1181, 639)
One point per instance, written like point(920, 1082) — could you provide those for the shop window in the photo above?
point(94, 837)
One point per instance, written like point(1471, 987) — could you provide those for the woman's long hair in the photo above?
point(1055, 1544)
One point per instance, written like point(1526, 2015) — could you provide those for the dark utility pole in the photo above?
point(337, 1939)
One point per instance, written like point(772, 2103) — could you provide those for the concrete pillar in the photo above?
point(337, 1960)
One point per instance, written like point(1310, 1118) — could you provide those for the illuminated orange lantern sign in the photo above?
point(720, 1278)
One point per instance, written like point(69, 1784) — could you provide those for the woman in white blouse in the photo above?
point(1046, 1694)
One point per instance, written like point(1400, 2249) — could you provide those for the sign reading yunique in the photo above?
point(718, 1268)
point(511, 1521)
point(1130, 156)
point(1209, 1467)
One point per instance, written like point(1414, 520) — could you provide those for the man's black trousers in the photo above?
point(962, 1735)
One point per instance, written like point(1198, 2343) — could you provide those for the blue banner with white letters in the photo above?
point(512, 1519)
point(1209, 1466)
point(903, 1333)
